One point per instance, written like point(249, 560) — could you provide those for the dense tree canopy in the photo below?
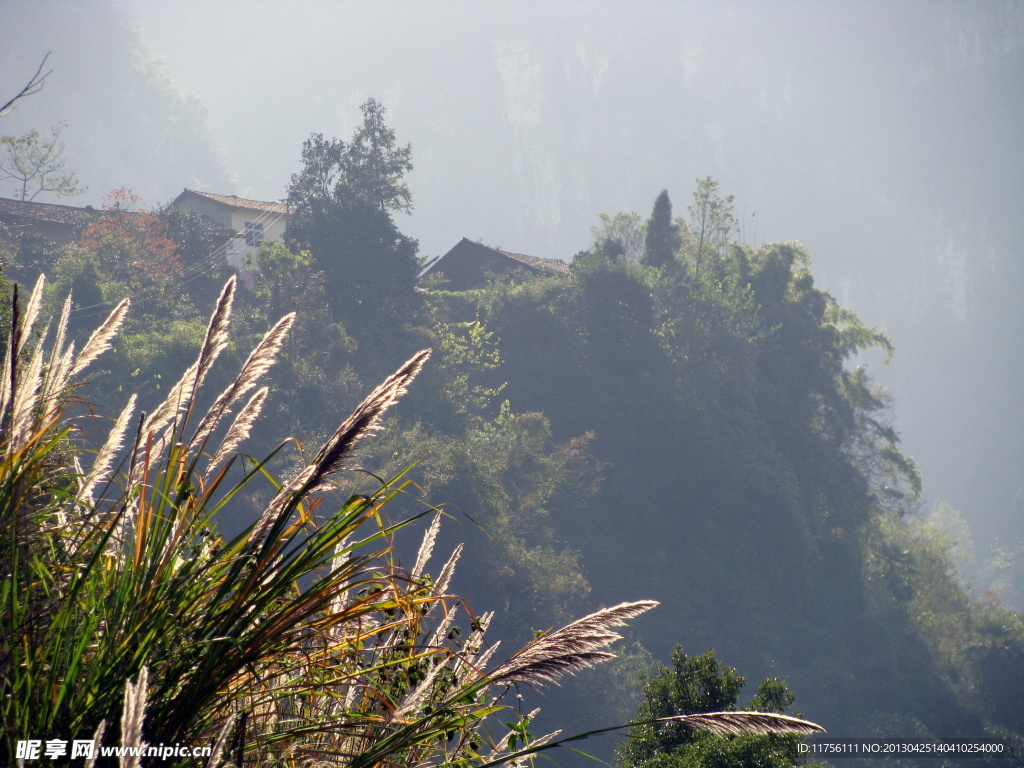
point(342, 203)
point(751, 475)
point(696, 684)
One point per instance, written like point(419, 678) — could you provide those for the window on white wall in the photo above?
point(253, 233)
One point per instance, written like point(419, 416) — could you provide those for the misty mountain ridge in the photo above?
point(693, 429)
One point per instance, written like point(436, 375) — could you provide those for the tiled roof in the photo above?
point(241, 202)
point(48, 212)
point(537, 262)
point(466, 264)
point(69, 216)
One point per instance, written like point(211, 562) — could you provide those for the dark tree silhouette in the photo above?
point(663, 239)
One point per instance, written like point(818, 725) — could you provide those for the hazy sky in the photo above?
point(885, 136)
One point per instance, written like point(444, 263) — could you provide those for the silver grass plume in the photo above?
point(57, 376)
point(216, 339)
point(62, 329)
point(105, 458)
point(240, 428)
point(479, 662)
point(436, 639)
point(471, 662)
point(740, 722)
point(218, 745)
point(263, 356)
point(476, 638)
point(524, 760)
point(134, 716)
point(364, 421)
point(217, 331)
point(31, 312)
point(570, 649)
point(444, 578)
point(60, 357)
point(163, 415)
point(97, 739)
point(342, 596)
point(414, 700)
point(426, 546)
point(25, 396)
point(99, 341)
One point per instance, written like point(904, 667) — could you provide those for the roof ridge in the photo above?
point(246, 203)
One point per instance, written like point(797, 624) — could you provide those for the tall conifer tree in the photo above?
point(663, 241)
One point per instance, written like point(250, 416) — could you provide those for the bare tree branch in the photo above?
point(33, 86)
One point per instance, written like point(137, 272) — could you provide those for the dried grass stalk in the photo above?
point(105, 458)
point(426, 547)
point(216, 339)
point(99, 341)
point(258, 363)
point(572, 648)
point(739, 723)
point(31, 313)
point(134, 717)
point(240, 428)
point(364, 421)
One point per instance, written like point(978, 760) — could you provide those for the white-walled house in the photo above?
point(252, 220)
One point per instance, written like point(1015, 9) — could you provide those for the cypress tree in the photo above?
point(663, 239)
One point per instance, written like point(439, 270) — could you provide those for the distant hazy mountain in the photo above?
point(127, 123)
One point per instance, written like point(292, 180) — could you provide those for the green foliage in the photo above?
point(29, 254)
point(613, 306)
point(368, 169)
point(711, 224)
point(316, 369)
point(155, 352)
point(621, 235)
point(467, 351)
point(999, 657)
point(702, 684)
point(282, 275)
point(754, 464)
point(78, 273)
point(6, 284)
point(503, 481)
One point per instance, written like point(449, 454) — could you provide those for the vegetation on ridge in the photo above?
point(680, 414)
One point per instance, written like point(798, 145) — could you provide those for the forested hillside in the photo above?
point(678, 419)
